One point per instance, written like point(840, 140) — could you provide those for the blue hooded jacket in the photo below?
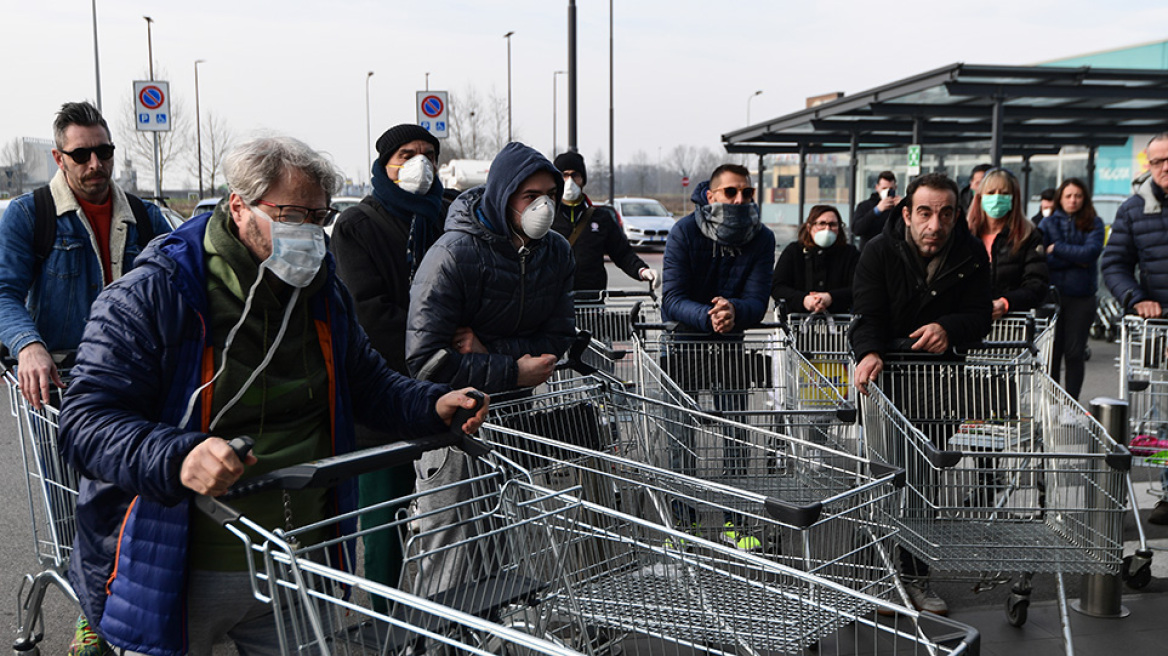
point(517, 301)
point(697, 269)
point(143, 353)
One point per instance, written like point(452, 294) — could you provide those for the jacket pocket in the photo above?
point(67, 259)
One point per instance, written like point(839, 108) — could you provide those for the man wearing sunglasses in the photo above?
point(44, 303)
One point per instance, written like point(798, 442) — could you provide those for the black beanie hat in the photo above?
point(572, 162)
point(400, 135)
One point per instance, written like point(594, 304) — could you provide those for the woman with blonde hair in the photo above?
point(1019, 279)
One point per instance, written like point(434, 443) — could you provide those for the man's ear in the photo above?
point(906, 214)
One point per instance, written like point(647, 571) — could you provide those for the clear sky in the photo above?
point(684, 69)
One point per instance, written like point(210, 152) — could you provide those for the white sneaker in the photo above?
point(921, 594)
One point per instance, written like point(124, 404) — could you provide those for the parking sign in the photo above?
point(152, 106)
point(432, 114)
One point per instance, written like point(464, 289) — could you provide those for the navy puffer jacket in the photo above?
point(143, 353)
point(1074, 262)
point(1139, 241)
point(698, 269)
point(517, 301)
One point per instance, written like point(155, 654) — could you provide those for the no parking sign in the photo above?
point(152, 106)
point(432, 112)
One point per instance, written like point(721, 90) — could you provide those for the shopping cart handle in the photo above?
point(941, 459)
point(1120, 459)
point(792, 514)
point(1137, 384)
point(469, 445)
point(882, 470)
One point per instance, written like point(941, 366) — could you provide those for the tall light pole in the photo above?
point(427, 81)
point(555, 76)
point(756, 93)
point(199, 127)
point(611, 116)
point(157, 152)
point(96, 64)
point(508, 37)
point(368, 123)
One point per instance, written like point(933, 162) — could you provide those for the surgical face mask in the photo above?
point(824, 238)
point(572, 191)
point(416, 175)
point(1047, 211)
point(297, 251)
point(997, 205)
point(536, 219)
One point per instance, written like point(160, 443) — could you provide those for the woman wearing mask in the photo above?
point(1073, 235)
point(1018, 276)
point(814, 272)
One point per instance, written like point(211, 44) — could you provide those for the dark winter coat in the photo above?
point(893, 296)
point(1139, 242)
point(517, 301)
point(801, 270)
point(145, 350)
point(697, 269)
point(866, 223)
point(1019, 276)
point(601, 236)
point(1074, 262)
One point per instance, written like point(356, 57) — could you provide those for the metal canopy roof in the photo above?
point(1035, 110)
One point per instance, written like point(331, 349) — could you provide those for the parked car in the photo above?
point(646, 222)
point(4, 204)
point(205, 205)
point(173, 218)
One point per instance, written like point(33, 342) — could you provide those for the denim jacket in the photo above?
point(53, 307)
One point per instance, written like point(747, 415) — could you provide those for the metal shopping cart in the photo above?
point(795, 501)
point(1005, 472)
point(823, 340)
point(608, 316)
point(499, 563)
point(52, 503)
point(1029, 334)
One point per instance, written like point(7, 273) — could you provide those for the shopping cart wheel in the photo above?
point(1017, 608)
point(1138, 579)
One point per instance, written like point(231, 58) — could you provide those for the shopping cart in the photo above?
point(755, 377)
point(823, 340)
point(1030, 335)
point(497, 546)
point(608, 316)
point(52, 503)
point(1006, 473)
point(796, 501)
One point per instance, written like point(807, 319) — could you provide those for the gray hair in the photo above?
point(1163, 136)
point(255, 166)
point(76, 113)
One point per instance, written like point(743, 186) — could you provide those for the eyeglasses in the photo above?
point(1157, 163)
point(104, 152)
point(732, 193)
point(297, 214)
point(834, 225)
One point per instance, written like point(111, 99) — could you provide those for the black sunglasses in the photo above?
point(732, 193)
point(81, 155)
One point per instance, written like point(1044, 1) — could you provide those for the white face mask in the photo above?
point(572, 191)
point(297, 251)
point(824, 238)
point(1046, 211)
point(536, 219)
point(416, 175)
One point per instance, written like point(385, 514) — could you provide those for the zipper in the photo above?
point(523, 253)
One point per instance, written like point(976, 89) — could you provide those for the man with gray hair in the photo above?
point(234, 324)
point(62, 243)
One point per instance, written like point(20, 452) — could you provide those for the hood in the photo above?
point(514, 164)
point(699, 195)
point(1147, 191)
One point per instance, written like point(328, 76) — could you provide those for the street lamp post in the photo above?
point(756, 93)
point(508, 37)
point(368, 123)
point(157, 150)
point(555, 75)
point(96, 64)
point(199, 128)
point(427, 81)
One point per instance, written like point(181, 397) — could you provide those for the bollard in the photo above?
point(1102, 593)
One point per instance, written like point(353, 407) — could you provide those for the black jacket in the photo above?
point(866, 223)
point(517, 303)
point(601, 236)
point(802, 270)
point(893, 297)
point(1021, 276)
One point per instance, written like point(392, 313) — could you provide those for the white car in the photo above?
point(205, 205)
point(646, 222)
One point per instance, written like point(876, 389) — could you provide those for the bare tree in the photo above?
point(217, 140)
point(12, 161)
point(498, 108)
point(466, 119)
point(598, 170)
point(641, 170)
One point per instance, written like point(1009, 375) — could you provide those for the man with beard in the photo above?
point(45, 296)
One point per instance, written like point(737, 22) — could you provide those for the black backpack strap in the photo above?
point(44, 230)
point(142, 218)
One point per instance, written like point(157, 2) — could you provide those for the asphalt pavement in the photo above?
point(1140, 631)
